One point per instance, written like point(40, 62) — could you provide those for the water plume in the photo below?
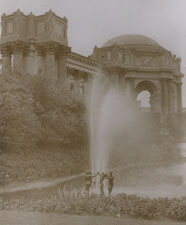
point(110, 115)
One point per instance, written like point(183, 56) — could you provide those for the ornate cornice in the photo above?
point(84, 59)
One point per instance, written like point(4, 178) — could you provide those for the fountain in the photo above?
point(113, 122)
point(109, 117)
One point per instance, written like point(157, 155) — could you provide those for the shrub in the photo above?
point(19, 125)
point(76, 202)
point(62, 116)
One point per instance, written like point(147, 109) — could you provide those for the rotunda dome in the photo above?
point(131, 40)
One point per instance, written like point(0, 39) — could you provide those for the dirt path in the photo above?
point(35, 218)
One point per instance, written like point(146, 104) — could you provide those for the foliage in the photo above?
point(76, 202)
point(33, 118)
point(31, 114)
point(19, 125)
point(62, 116)
point(41, 164)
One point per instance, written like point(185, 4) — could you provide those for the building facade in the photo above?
point(39, 45)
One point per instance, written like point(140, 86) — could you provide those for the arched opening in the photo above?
point(143, 100)
point(145, 92)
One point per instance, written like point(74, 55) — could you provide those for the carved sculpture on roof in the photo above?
point(50, 21)
point(31, 25)
point(17, 22)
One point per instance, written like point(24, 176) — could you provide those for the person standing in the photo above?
point(101, 182)
point(110, 178)
point(88, 181)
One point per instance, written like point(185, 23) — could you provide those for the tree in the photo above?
point(19, 124)
point(62, 116)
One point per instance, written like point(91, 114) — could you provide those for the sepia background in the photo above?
point(51, 141)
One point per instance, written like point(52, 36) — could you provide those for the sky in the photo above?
point(93, 22)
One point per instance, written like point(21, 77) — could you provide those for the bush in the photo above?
point(19, 124)
point(40, 164)
point(62, 116)
point(31, 114)
point(76, 202)
point(37, 125)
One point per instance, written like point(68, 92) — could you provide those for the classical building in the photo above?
point(39, 45)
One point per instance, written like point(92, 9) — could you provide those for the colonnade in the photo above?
point(166, 97)
point(48, 59)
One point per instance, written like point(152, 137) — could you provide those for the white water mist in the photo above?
point(109, 117)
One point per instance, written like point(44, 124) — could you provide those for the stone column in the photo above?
point(71, 84)
point(122, 84)
point(18, 66)
point(30, 64)
point(114, 80)
point(175, 98)
point(179, 94)
point(50, 67)
point(132, 84)
point(172, 96)
point(130, 91)
point(112, 77)
point(157, 101)
point(130, 87)
point(77, 85)
point(87, 87)
point(75, 82)
point(127, 88)
point(6, 60)
point(82, 88)
point(62, 71)
point(164, 94)
point(152, 104)
point(40, 60)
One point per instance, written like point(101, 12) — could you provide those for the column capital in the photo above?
point(29, 48)
point(49, 50)
point(5, 50)
point(63, 52)
point(40, 49)
point(19, 47)
point(74, 73)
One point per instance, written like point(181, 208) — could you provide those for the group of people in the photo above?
point(90, 181)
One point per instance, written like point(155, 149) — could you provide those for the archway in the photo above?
point(146, 96)
point(143, 100)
